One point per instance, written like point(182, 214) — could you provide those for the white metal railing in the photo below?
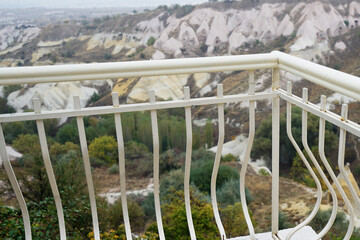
point(340, 82)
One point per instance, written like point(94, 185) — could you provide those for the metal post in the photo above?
point(275, 154)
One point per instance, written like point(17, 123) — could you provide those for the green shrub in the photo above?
point(175, 222)
point(263, 172)
point(229, 193)
point(201, 176)
point(114, 169)
point(114, 215)
point(234, 221)
point(228, 158)
point(104, 148)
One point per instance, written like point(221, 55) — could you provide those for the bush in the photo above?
point(43, 219)
point(234, 221)
point(228, 158)
point(114, 169)
point(229, 193)
point(114, 215)
point(174, 218)
point(104, 148)
point(201, 176)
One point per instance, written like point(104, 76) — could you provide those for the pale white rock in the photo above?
point(187, 35)
point(236, 39)
point(236, 147)
point(166, 87)
point(178, 54)
point(354, 8)
point(158, 55)
point(172, 45)
point(12, 49)
point(203, 28)
point(317, 25)
point(130, 52)
point(53, 96)
point(11, 35)
point(12, 154)
point(107, 40)
point(153, 25)
point(201, 79)
point(340, 45)
point(160, 42)
point(286, 27)
point(205, 90)
point(218, 33)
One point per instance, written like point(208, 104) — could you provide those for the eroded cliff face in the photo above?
point(303, 29)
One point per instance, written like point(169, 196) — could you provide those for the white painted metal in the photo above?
point(313, 175)
point(331, 172)
point(87, 167)
point(341, 155)
point(335, 80)
point(275, 156)
point(247, 156)
point(133, 107)
point(327, 115)
point(93, 71)
point(155, 134)
point(121, 152)
point(217, 163)
point(188, 165)
point(15, 185)
point(49, 170)
point(318, 168)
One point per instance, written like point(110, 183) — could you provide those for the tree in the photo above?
point(234, 221)
point(150, 41)
point(175, 222)
point(104, 148)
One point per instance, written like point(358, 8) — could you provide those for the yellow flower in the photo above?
point(112, 230)
point(116, 236)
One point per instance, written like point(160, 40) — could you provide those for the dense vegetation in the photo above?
point(65, 154)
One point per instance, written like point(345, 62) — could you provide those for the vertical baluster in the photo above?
point(247, 156)
point(155, 133)
point(120, 140)
point(49, 170)
point(332, 174)
point(275, 155)
point(303, 158)
point(87, 168)
point(217, 163)
point(188, 164)
point(341, 155)
point(15, 185)
point(318, 168)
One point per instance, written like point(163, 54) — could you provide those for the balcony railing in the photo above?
point(337, 81)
